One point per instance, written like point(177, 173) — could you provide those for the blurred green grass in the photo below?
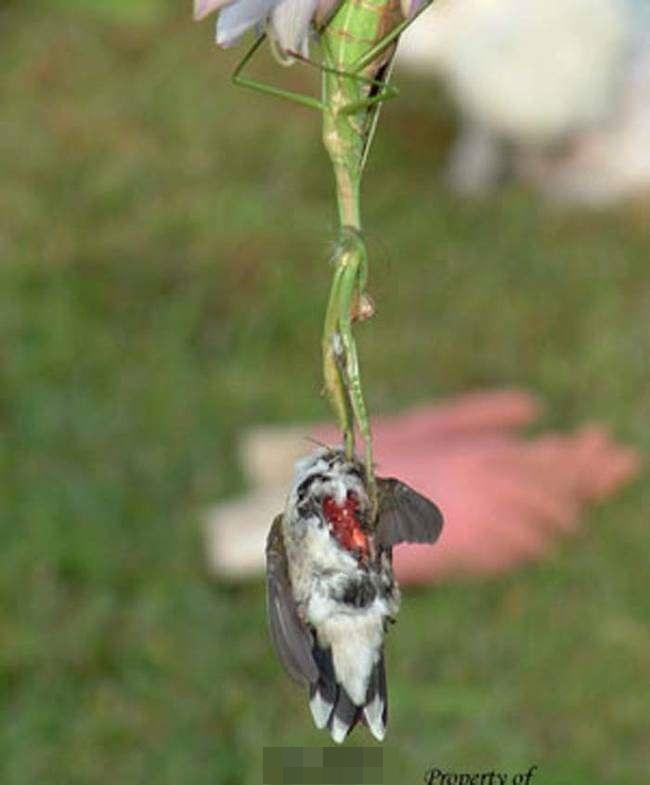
point(164, 242)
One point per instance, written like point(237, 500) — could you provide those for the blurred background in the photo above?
point(163, 244)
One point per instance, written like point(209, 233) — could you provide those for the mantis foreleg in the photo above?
point(333, 372)
point(349, 287)
point(340, 360)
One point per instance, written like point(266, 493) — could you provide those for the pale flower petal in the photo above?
point(203, 8)
point(411, 7)
point(290, 22)
point(240, 16)
point(325, 10)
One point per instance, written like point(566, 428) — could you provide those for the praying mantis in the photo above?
point(358, 45)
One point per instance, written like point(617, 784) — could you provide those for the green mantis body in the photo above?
point(352, 92)
point(358, 44)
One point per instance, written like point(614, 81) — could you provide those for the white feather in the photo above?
point(339, 730)
point(321, 710)
point(355, 640)
point(374, 717)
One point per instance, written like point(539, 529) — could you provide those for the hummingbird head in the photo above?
point(328, 469)
point(329, 490)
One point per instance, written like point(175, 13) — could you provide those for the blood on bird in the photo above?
point(345, 524)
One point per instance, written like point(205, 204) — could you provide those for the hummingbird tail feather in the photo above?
point(375, 711)
point(323, 692)
point(321, 705)
point(344, 716)
point(332, 706)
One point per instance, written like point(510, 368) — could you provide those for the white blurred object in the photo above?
point(531, 69)
point(236, 531)
point(555, 91)
point(269, 452)
point(610, 163)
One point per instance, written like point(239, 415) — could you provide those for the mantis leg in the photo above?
point(333, 372)
point(340, 362)
point(261, 87)
point(340, 354)
point(385, 93)
point(349, 286)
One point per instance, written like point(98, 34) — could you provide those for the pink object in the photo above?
point(505, 498)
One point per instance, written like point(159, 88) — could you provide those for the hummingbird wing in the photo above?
point(405, 515)
point(292, 639)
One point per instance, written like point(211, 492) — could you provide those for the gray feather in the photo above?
point(344, 716)
point(323, 694)
point(405, 515)
point(292, 639)
point(375, 711)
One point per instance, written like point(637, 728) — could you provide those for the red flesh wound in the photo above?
point(345, 524)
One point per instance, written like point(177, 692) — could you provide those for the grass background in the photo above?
point(163, 270)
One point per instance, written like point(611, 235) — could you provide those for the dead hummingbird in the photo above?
point(331, 592)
